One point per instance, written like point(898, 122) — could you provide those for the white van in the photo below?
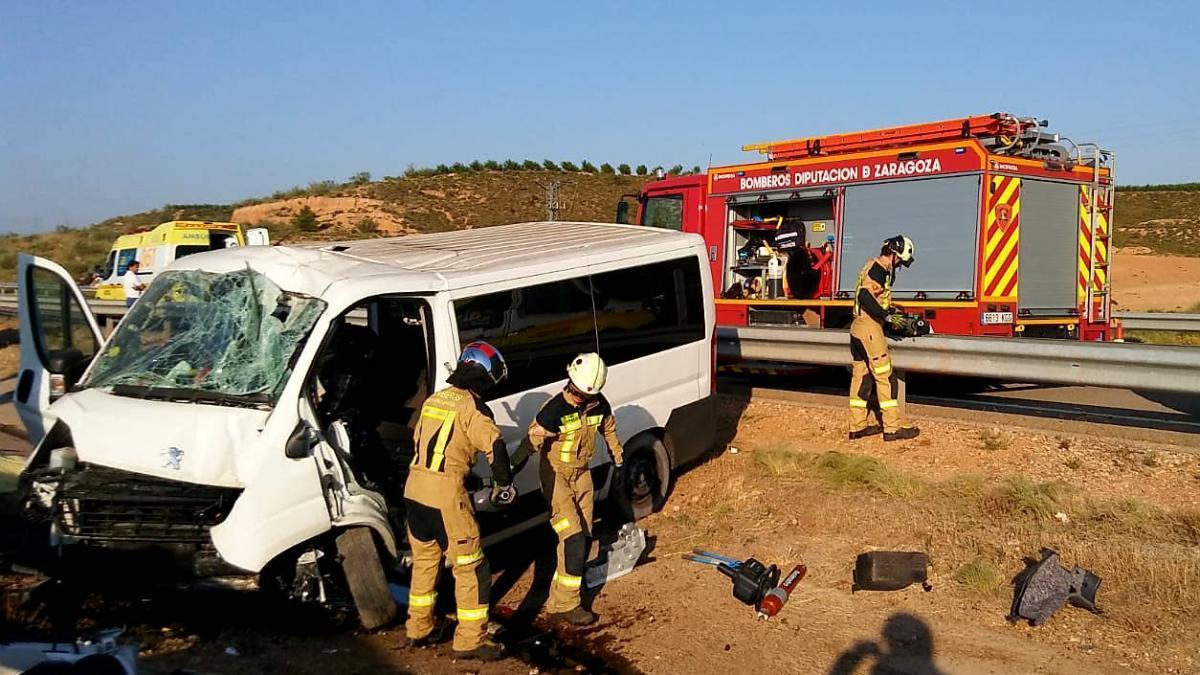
point(253, 410)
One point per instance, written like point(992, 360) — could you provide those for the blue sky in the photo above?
point(116, 107)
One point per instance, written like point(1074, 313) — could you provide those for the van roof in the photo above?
point(447, 260)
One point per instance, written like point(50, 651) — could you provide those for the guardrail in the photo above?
point(1183, 323)
point(1124, 366)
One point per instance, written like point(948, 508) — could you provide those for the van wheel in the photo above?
point(642, 484)
point(365, 577)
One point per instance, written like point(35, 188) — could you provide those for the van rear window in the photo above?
point(625, 314)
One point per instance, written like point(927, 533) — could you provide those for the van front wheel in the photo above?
point(365, 577)
point(643, 482)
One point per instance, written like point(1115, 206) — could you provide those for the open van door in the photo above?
point(258, 236)
point(59, 338)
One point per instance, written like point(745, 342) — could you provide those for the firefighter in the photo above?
point(568, 423)
point(454, 425)
point(868, 347)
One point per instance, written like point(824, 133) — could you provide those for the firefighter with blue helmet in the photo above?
point(454, 425)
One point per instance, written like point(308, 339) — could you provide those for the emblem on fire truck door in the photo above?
point(172, 459)
point(1003, 216)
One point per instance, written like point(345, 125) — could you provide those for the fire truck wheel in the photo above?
point(645, 479)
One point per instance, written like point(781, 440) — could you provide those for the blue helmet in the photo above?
point(486, 356)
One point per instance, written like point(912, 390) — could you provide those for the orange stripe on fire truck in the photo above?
point(1002, 236)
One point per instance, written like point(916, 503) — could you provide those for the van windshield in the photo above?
point(202, 337)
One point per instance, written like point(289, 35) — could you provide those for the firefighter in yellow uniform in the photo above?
point(868, 346)
point(565, 431)
point(455, 424)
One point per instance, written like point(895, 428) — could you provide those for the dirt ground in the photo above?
point(1143, 283)
point(977, 499)
point(343, 212)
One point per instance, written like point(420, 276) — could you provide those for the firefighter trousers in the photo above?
point(569, 492)
point(872, 369)
point(441, 522)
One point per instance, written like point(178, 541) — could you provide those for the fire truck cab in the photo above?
point(1010, 223)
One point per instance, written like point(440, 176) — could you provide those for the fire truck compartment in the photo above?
point(1049, 248)
point(941, 215)
point(758, 216)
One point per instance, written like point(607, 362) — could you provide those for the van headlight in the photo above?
point(58, 385)
point(63, 459)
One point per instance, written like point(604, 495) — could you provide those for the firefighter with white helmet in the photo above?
point(868, 347)
point(565, 431)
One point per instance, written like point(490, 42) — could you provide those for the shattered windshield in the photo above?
point(199, 336)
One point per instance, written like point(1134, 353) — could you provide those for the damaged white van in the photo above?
point(252, 414)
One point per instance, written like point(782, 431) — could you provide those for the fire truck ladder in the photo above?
point(1004, 128)
point(1098, 307)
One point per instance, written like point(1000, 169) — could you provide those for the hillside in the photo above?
point(1158, 220)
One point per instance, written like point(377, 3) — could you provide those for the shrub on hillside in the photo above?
point(458, 167)
point(530, 165)
point(624, 170)
point(491, 165)
point(305, 220)
point(476, 165)
point(441, 168)
point(550, 166)
point(676, 170)
point(642, 170)
point(607, 168)
point(367, 226)
point(696, 169)
point(569, 166)
point(364, 177)
point(587, 166)
point(510, 165)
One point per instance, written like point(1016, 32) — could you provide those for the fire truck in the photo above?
point(1011, 225)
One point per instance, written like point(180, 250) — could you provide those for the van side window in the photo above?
point(639, 311)
point(59, 321)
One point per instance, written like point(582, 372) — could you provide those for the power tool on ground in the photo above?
point(752, 581)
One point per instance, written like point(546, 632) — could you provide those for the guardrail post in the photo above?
point(901, 393)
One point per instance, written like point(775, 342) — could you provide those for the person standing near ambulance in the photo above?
point(454, 425)
point(868, 346)
point(132, 285)
point(565, 431)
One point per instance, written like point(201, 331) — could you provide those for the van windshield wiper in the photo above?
point(181, 395)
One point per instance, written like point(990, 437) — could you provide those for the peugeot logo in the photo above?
point(172, 458)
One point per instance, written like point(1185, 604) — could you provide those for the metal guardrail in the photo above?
point(1183, 323)
point(1124, 366)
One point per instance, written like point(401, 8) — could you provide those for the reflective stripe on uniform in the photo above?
point(884, 369)
point(468, 558)
point(477, 614)
point(568, 444)
point(425, 600)
point(567, 580)
point(561, 524)
point(857, 403)
point(437, 459)
point(594, 420)
point(884, 405)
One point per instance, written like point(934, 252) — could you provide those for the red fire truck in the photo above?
point(1010, 221)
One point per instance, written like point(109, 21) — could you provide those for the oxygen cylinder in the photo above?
point(777, 597)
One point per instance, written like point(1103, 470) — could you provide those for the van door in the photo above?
point(59, 338)
point(258, 236)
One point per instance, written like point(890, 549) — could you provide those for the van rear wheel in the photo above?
point(643, 482)
point(365, 577)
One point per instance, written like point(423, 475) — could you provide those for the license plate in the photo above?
point(997, 317)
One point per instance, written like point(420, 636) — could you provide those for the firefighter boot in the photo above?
point(576, 617)
point(901, 434)
point(866, 431)
point(486, 651)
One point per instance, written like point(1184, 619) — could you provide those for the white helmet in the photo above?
point(902, 246)
point(587, 373)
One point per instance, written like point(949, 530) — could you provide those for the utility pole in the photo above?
point(553, 203)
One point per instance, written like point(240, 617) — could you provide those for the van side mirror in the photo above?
point(64, 361)
point(338, 436)
point(623, 212)
point(301, 442)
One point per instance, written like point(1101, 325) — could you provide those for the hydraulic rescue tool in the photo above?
point(754, 583)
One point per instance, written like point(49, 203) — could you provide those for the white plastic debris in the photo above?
point(1062, 517)
point(621, 557)
point(733, 450)
point(232, 651)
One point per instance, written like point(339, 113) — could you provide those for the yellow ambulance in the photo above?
point(166, 243)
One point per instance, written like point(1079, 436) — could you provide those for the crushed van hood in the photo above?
point(187, 442)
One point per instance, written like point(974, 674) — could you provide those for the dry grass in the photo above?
point(1019, 496)
point(839, 469)
point(993, 439)
point(979, 577)
point(1164, 337)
